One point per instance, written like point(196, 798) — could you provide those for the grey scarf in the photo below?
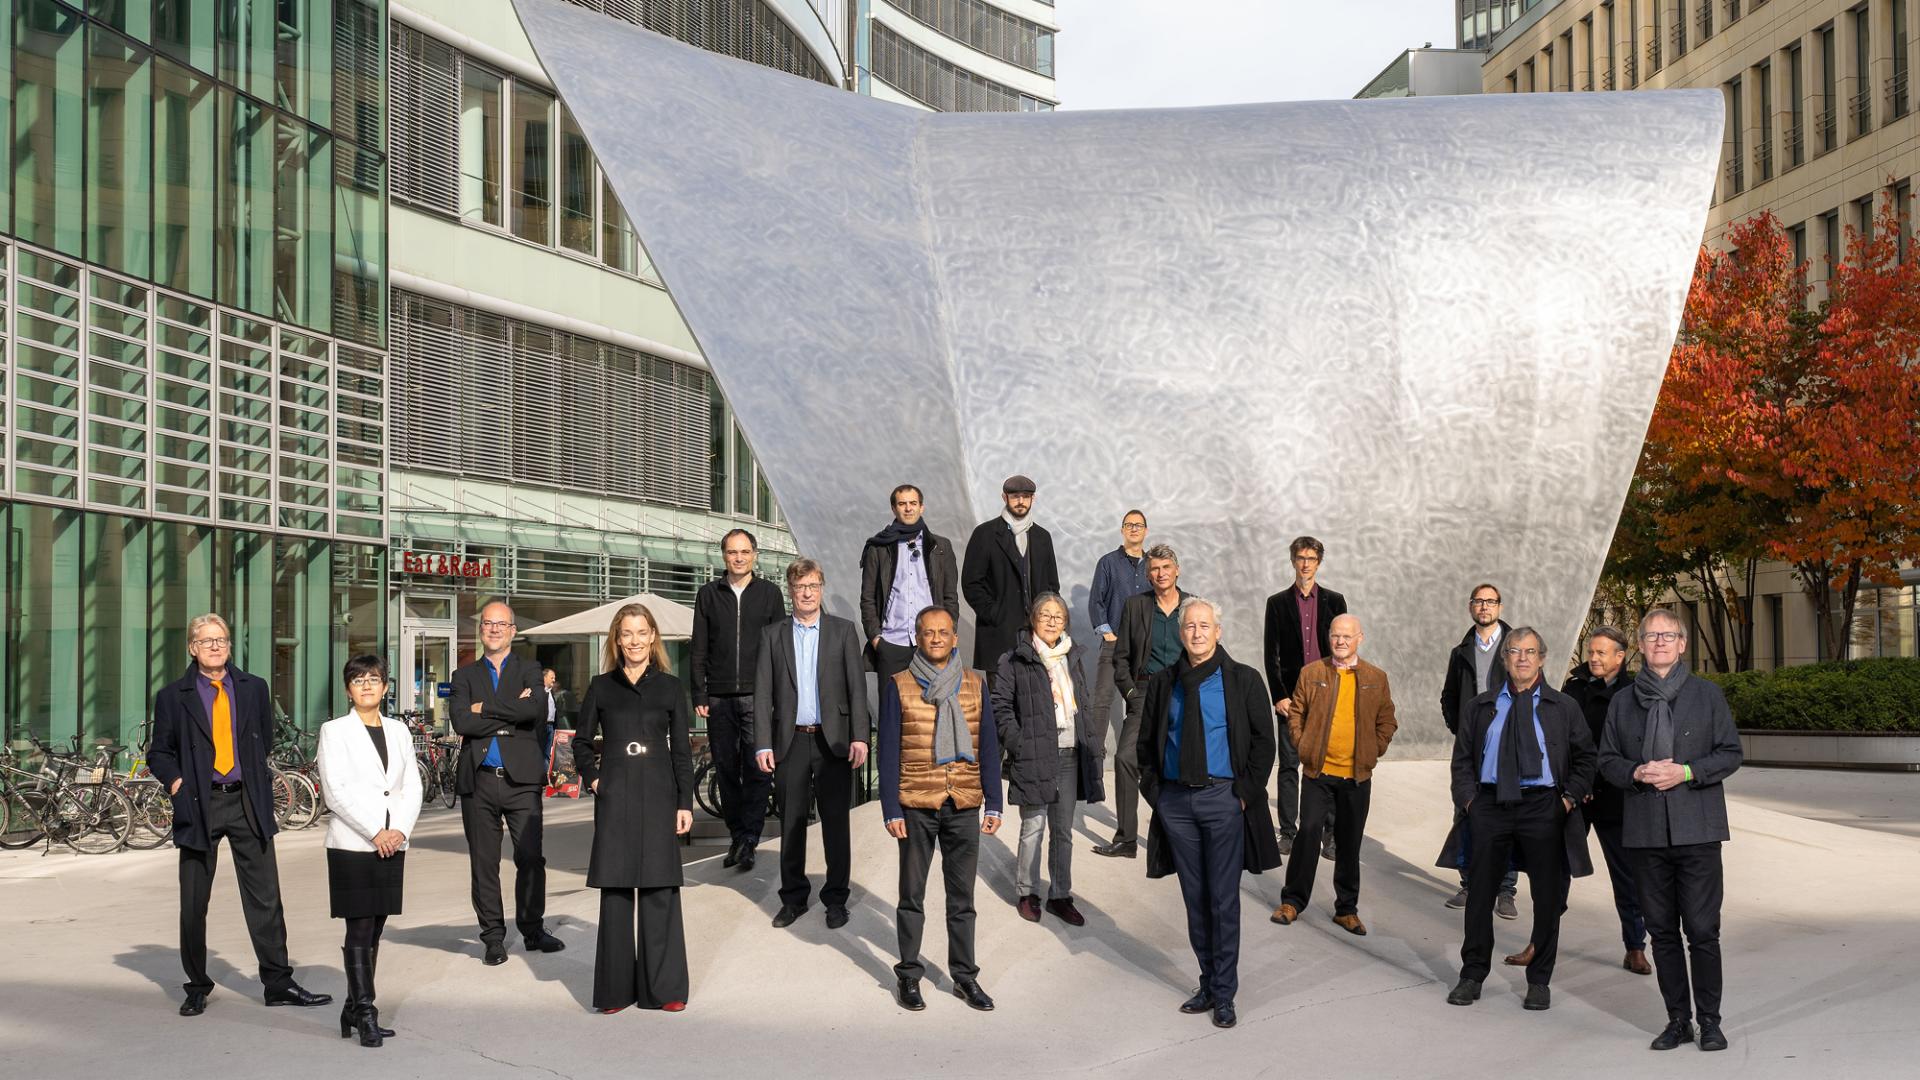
point(1657, 696)
point(941, 688)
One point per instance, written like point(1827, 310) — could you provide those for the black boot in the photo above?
point(385, 1032)
point(361, 1017)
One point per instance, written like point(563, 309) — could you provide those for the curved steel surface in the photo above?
point(1428, 331)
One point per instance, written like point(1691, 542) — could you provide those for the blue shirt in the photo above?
point(1490, 754)
point(1213, 720)
point(806, 670)
point(911, 593)
point(492, 758)
point(1116, 577)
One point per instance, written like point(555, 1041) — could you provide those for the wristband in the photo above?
point(1686, 772)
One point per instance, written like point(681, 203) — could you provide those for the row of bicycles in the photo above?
point(80, 800)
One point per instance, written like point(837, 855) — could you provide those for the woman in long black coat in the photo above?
point(640, 770)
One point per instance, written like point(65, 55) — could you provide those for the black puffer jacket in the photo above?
point(1023, 713)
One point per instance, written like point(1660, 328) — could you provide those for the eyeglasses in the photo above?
point(213, 643)
point(806, 588)
point(1050, 616)
point(368, 680)
point(1132, 525)
point(1524, 654)
point(1306, 558)
point(1481, 601)
point(1661, 637)
point(495, 624)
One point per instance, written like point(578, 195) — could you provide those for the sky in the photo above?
point(1120, 54)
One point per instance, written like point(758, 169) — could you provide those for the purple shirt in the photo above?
point(1309, 608)
point(205, 686)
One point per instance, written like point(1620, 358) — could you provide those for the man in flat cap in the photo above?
point(1009, 562)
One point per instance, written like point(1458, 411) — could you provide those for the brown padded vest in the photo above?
point(924, 785)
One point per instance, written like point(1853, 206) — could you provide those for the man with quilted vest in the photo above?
point(939, 765)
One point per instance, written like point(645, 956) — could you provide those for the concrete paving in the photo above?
point(1821, 934)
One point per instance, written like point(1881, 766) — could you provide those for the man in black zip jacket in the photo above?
point(728, 616)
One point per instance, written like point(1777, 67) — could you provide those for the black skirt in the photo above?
point(363, 885)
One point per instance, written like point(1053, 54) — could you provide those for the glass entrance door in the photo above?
point(426, 666)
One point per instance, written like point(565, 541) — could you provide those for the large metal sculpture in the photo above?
point(1428, 331)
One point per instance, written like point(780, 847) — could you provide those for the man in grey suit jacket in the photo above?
point(812, 729)
point(1669, 743)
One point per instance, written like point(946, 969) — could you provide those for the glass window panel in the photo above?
point(121, 466)
point(191, 340)
point(314, 397)
point(6, 112)
point(115, 378)
point(246, 434)
point(42, 422)
point(117, 350)
point(359, 502)
point(183, 29)
point(233, 457)
point(186, 312)
point(49, 485)
point(359, 244)
point(616, 235)
point(102, 317)
point(241, 484)
point(50, 301)
point(304, 520)
point(245, 408)
point(115, 688)
point(177, 502)
point(48, 121)
point(115, 291)
point(303, 494)
point(51, 455)
point(186, 367)
point(303, 69)
point(53, 271)
point(577, 184)
point(184, 121)
point(532, 157)
point(243, 513)
point(32, 358)
point(303, 220)
point(243, 234)
point(119, 149)
point(42, 392)
point(184, 476)
point(309, 347)
point(125, 496)
point(58, 334)
point(131, 440)
point(742, 473)
point(303, 470)
point(44, 575)
point(352, 526)
point(245, 381)
point(190, 423)
point(303, 420)
point(479, 144)
point(244, 34)
point(116, 408)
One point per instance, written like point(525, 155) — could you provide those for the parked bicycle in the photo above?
point(152, 809)
point(64, 801)
point(296, 785)
point(438, 756)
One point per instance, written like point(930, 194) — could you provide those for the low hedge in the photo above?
point(1880, 695)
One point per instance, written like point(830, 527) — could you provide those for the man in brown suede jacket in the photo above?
point(1341, 717)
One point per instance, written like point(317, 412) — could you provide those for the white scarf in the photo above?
point(1058, 674)
point(1019, 527)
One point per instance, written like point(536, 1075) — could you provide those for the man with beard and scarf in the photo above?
point(1670, 742)
point(904, 567)
point(939, 765)
point(1523, 763)
point(1009, 562)
point(1206, 751)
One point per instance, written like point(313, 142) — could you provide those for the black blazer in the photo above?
point(990, 578)
point(843, 688)
point(1570, 753)
point(518, 722)
point(876, 583)
point(1593, 697)
point(1251, 745)
point(1704, 737)
point(1462, 686)
point(1285, 653)
point(182, 749)
point(1133, 642)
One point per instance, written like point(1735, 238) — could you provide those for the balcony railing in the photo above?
point(1860, 112)
point(1632, 67)
point(1736, 176)
point(1606, 79)
point(1653, 55)
point(1796, 144)
point(1703, 19)
point(1763, 161)
point(1824, 124)
point(1897, 104)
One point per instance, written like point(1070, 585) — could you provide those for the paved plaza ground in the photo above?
point(1822, 933)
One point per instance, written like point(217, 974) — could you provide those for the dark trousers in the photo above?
point(1287, 811)
point(1126, 772)
point(229, 816)
point(812, 773)
point(1207, 833)
point(743, 787)
point(1626, 902)
point(1681, 889)
point(495, 800)
point(1100, 709)
point(1534, 826)
point(1509, 882)
point(641, 956)
point(957, 834)
point(1346, 802)
point(890, 659)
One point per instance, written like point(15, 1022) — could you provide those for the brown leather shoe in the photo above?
point(1030, 908)
point(1636, 962)
point(1063, 909)
point(1285, 914)
point(1351, 924)
point(1521, 958)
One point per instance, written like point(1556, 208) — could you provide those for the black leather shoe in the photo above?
point(1286, 846)
point(786, 915)
point(733, 854)
point(1326, 847)
point(496, 954)
point(1200, 1002)
point(542, 941)
point(195, 1004)
point(1539, 998)
point(1129, 849)
point(746, 858)
point(1464, 992)
point(836, 916)
point(1711, 1037)
point(1223, 1016)
point(292, 994)
point(1677, 1032)
point(907, 993)
point(969, 991)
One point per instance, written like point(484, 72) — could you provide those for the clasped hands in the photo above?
point(388, 841)
point(989, 825)
point(1662, 774)
point(524, 695)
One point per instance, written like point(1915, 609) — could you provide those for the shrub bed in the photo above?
point(1880, 696)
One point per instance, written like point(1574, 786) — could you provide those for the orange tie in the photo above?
point(222, 731)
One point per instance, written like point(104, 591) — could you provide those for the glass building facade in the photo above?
point(193, 382)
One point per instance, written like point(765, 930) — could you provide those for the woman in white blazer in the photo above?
point(372, 786)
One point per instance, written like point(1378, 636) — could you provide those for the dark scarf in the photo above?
point(896, 533)
point(1657, 695)
point(1193, 728)
point(1519, 757)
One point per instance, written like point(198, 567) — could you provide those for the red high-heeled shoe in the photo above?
point(674, 1006)
point(610, 1012)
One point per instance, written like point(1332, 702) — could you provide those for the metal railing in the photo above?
point(1763, 160)
point(1796, 144)
point(1825, 123)
point(1860, 112)
point(1736, 176)
point(1897, 104)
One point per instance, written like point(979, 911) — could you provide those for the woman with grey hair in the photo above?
point(1042, 712)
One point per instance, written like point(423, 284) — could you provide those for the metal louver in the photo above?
point(426, 125)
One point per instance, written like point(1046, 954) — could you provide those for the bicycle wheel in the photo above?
point(429, 782)
point(283, 798)
point(449, 775)
point(97, 817)
point(152, 816)
point(26, 814)
point(306, 801)
point(706, 788)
